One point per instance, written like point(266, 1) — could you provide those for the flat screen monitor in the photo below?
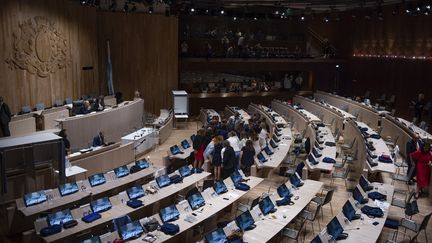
point(220, 187)
point(266, 205)
point(268, 150)
point(216, 236)
point(317, 239)
point(185, 171)
point(317, 145)
point(169, 213)
point(163, 181)
point(261, 157)
point(121, 171)
point(68, 188)
point(283, 191)
point(59, 217)
point(196, 200)
point(312, 160)
point(277, 140)
point(135, 192)
point(35, 198)
point(296, 181)
point(348, 210)
point(244, 220)
point(100, 205)
point(94, 239)
point(273, 144)
point(316, 153)
point(185, 144)
point(97, 179)
point(175, 150)
point(131, 230)
point(236, 177)
point(357, 195)
point(365, 184)
point(334, 228)
point(142, 164)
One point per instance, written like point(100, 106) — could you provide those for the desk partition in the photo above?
point(114, 123)
point(22, 124)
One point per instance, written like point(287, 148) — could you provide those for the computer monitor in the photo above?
point(68, 188)
point(261, 157)
point(185, 171)
point(35, 198)
point(268, 150)
point(357, 195)
point(317, 145)
point(135, 192)
point(349, 211)
point(273, 144)
point(266, 205)
point(296, 181)
point(334, 228)
point(169, 213)
point(59, 217)
point(277, 140)
point(283, 191)
point(196, 200)
point(364, 183)
point(316, 153)
point(220, 187)
point(185, 144)
point(216, 236)
point(142, 164)
point(131, 230)
point(312, 160)
point(100, 205)
point(245, 221)
point(192, 137)
point(163, 181)
point(94, 239)
point(317, 239)
point(236, 177)
point(175, 150)
point(121, 171)
point(97, 179)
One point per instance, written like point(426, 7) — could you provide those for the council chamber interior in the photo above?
point(215, 121)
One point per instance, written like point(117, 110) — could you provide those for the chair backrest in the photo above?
point(425, 221)
point(120, 221)
point(328, 197)
point(26, 109)
point(58, 103)
point(68, 101)
point(40, 106)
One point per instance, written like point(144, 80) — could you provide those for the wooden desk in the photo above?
point(213, 206)
point(364, 113)
point(267, 226)
point(165, 126)
point(50, 117)
point(119, 209)
point(58, 201)
point(113, 122)
point(22, 124)
point(327, 151)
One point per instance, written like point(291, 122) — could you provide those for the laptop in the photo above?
point(267, 206)
point(349, 211)
point(121, 171)
point(163, 181)
point(185, 171)
point(317, 145)
point(358, 196)
point(296, 180)
point(59, 217)
point(283, 191)
point(34, 198)
point(268, 150)
point(364, 183)
point(68, 188)
point(101, 205)
point(169, 213)
point(245, 221)
point(196, 200)
point(97, 179)
point(261, 157)
point(312, 160)
point(142, 164)
point(316, 153)
point(216, 236)
point(131, 230)
point(220, 187)
point(175, 150)
point(334, 228)
point(185, 144)
point(273, 144)
point(236, 177)
point(135, 192)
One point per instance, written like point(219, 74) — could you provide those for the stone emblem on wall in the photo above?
point(38, 47)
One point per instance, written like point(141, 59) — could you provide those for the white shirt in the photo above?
point(257, 146)
point(235, 143)
point(242, 143)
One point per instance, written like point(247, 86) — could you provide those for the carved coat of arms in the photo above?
point(38, 48)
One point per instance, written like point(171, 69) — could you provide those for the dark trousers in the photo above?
point(5, 129)
point(410, 165)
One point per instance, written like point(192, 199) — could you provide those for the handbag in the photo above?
point(377, 196)
point(411, 208)
point(134, 203)
point(329, 160)
point(242, 186)
point(284, 201)
point(170, 229)
point(151, 225)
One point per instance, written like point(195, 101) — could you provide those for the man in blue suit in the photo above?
point(99, 140)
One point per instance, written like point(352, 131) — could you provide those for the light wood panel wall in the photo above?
point(76, 25)
point(143, 55)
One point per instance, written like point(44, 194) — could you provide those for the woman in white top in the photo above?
point(263, 135)
point(256, 144)
point(243, 138)
point(235, 144)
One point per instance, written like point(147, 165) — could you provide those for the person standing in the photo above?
point(412, 145)
point(247, 157)
point(199, 146)
point(5, 117)
point(216, 160)
point(423, 158)
point(418, 108)
point(235, 144)
point(228, 159)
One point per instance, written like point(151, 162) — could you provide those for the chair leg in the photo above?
point(426, 236)
point(331, 207)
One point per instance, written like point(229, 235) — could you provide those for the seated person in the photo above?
point(99, 105)
point(99, 140)
point(86, 108)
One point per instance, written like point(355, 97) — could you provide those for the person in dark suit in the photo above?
point(5, 117)
point(66, 142)
point(228, 160)
point(99, 140)
point(412, 145)
point(86, 107)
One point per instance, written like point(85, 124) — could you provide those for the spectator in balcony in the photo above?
point(287, 82)
point(225, 42)
point(209, 50)
point(230, 51)
point(258, 50)
point(297, 52)
point(298, 82)
point(418, 107)
point(240, 43)
point(184, 49)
